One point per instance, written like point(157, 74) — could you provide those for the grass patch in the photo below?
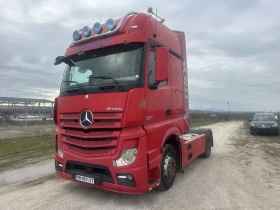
point(195, 124)
point(21, 151)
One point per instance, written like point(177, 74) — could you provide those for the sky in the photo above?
point(233, 46)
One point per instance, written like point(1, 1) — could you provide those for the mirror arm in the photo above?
point(63, 59)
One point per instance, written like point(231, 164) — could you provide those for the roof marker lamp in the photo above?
point(76, 35)
point(110, 24)
point(97, 28)
point(86, 31)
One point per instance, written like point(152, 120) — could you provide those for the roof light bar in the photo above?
point(97, 28)
point(86, 31)
point(98, 35)
point(76, 35)
point(110, 24)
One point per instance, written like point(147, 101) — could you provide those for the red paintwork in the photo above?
point(128, 127)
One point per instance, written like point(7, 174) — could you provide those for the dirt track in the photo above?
point(240, 174)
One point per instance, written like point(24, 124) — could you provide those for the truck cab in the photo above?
point(122, 113)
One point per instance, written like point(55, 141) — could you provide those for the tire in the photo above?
point(208, 146)
point(251, 133)
point(168, 169)
point(202, 131)
point(209, 140)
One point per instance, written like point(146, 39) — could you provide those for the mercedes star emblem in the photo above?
point(86, 118)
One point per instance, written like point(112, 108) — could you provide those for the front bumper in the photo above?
point(103, 171)
point(110, 181)
point(271, 130)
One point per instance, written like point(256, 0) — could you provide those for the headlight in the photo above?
point(253, 125)
point(275, 125)
point(59, 152)
point(127, 157)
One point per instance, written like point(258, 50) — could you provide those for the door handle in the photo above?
point(168, 112)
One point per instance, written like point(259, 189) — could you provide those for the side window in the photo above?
point(151, 70)
point(152, 66)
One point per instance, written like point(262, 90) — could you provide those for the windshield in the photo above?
point(104, 66)
point(263, 118)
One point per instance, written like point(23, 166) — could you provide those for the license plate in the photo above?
point(84, 179)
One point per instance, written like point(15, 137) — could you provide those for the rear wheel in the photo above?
point(168, 168)
point(208, 146)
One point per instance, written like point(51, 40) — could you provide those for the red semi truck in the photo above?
point(123, 108)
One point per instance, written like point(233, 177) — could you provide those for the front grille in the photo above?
point(99, 173)
point(70, 115)
point(100, 139)
point(81, 133)
point(96, 123)
point(90, 150)
point(100, 120)
point(89, 142)
point(265, 125)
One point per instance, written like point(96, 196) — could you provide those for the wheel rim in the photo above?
point(169, 167)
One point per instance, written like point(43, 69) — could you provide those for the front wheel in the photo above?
point(168, 168)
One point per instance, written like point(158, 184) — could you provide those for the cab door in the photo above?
point(158, 107)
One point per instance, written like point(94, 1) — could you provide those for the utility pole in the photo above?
point(228, 109)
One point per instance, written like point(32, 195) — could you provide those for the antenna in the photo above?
point(100, 18)
point(150, 11)
point(155, 34)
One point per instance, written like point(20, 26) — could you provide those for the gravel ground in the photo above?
point(14, 131)
point(238, 175)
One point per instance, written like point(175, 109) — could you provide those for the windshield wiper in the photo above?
point(78, 84)
point(108, 77)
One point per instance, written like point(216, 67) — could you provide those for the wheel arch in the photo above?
point(171, 137)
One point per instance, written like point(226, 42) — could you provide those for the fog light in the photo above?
point(58, 166)
point(129, 177)
point(275, 125)
point(126, 180)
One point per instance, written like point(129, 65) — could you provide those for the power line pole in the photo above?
point(228, 109)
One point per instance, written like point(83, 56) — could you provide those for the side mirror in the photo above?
point(59, 60)
point(162, 64)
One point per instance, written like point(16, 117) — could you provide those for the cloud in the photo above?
point(233, 46)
